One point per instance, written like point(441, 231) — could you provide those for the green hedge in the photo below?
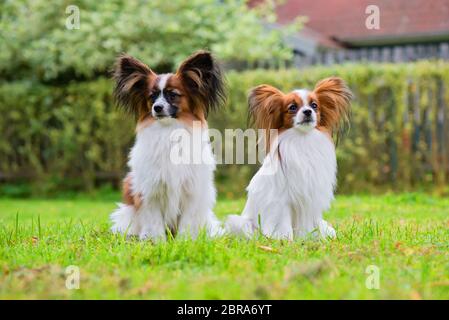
point(72, 138)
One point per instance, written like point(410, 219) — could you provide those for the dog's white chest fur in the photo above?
point(176, 195)
point(156, 176)
point(309, 165)
point(292, 188)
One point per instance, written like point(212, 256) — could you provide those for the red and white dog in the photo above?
point(295, 185)
point(160, 195)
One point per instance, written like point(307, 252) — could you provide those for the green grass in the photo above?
point(405, 236)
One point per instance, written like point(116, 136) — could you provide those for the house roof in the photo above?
point(344, 20)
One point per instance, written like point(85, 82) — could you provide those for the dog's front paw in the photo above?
point(239, 226)
point(326, 230)
point(215, 231)
point(150, 235)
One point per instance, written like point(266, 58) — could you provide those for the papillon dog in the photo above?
point(295, 184)
point(160, 196)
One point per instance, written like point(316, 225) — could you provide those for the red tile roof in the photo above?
point(345, 19)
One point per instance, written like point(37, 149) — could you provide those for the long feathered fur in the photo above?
point(132, 83)
point(264, 109)
point(203, 76)
point(334, 98)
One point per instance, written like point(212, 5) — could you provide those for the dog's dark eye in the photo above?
point(292, 108)
point(172, 95)
point(314, 105)
point(154, 95)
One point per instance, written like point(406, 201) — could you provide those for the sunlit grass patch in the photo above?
point(405, 236)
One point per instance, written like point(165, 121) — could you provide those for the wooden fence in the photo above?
point(405, 53)
point(398, 53)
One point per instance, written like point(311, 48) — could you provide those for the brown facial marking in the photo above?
point(182, 100)
point(269, 107)
point(314, 99)
point(187, 110)
point(198, 80)
point(290, 100)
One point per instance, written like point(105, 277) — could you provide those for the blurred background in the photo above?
point(61, 133)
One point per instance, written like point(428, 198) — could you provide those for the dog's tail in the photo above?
point(240, 226)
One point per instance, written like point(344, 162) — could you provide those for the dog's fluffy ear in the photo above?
point(265, 110)
point(132, 84)
point(334, 99)
point(202, 77)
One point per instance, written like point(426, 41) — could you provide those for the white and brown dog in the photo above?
point(160, 195)
point(295, 185)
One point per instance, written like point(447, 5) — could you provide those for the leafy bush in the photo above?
point(37, 45)
point(72, 137)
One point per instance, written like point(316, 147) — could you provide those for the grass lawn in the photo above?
point(405, 236)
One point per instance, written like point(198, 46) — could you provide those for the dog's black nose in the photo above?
point(157, 108)
point(307, 112)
